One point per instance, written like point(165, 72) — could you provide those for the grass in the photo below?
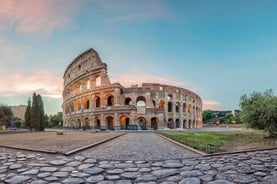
point(212, 142)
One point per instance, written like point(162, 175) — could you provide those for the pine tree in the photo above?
point(35, 112)
point(41, 113)
point(27, 115)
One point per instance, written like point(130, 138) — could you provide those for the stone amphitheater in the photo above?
point(90, 100)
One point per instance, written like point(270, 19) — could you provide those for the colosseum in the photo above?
point(90, 100)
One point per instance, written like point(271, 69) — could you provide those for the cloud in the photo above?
point(211, 104)
point(136, 77)
point(39, 16)
point(43, 82)
point(125, 10)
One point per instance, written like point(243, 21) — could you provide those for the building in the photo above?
point(19, 111)
point(90, 100)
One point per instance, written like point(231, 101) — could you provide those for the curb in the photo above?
point(91, 145)
point(67, 153)
point(183, 146)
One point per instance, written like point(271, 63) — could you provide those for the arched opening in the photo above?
point(142, 123)
point(97, 123)
point(162, 104)
point(177, 107)
point(110, 123)
point(178, 125)
point(79, 86)
point(185, 123)
point(86, 103)
point(97, 101)
point(128, 101)
point(87, 123)
point(124, 122)
point(190, 108)
point(184, 107)
point(110, 101)
point(154, 123)
point(78, 105)
point(141, 101)
point(169, 97)
point(170, 123)
point(97, 80)
point(193, 124)
point(169, 106)
point(79, 124)
point(87, 83)
point(71, 107)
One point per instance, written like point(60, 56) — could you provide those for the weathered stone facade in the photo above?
point(90, 100)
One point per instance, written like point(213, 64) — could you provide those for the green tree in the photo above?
point(56, 119)
point(35, 113)
point(41, 113)
point(27, 115)
point(5, 115)
point(259, 111)
point(207, 115)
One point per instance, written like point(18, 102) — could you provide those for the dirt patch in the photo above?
point(50, 141)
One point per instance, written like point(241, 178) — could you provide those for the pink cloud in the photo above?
point(39, 16)
point(211, 104)
point(44, 82)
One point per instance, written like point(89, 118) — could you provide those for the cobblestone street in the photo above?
point(90, 167)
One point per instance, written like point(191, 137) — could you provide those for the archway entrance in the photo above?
point(110, 123)
point(190, 124)
point(97, 123)
point(177, 123)
point(154, 123)
point(170, 123)
point(124, 122)
point(185, 123)
point(142, 123)
point(87, 123)
point(79, 124)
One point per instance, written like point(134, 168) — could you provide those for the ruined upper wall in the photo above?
point(86, 62)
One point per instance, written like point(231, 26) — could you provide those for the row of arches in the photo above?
point(109, 100)
point(124, 123)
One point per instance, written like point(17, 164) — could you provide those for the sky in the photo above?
point(220, 49)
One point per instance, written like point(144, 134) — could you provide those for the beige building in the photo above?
point(90, 100)
point(19, 111)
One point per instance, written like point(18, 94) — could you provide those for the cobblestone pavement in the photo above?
point(138, 146)
point(27, 167)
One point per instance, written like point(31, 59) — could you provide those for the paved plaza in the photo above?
point(144, 158)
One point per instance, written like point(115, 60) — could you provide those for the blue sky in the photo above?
point(220, 49)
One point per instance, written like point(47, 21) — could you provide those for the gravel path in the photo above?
point(138, 146)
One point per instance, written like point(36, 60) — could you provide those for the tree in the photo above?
point(27, 116)
point(5, 115)
point(207, 115)
point(56, 119)
point(259, 111)
point(41, 113)
point(34, 116)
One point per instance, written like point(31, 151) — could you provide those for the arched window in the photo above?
point(87, 83)
point(154, 103)
point(162, 104)
point(110, 101)
point(86, 103)
point(128, 101)
point(177, 107)
point(169, 107)
point(78, 105)
point(141, 101)
point(169, 97)
point(97, 101)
